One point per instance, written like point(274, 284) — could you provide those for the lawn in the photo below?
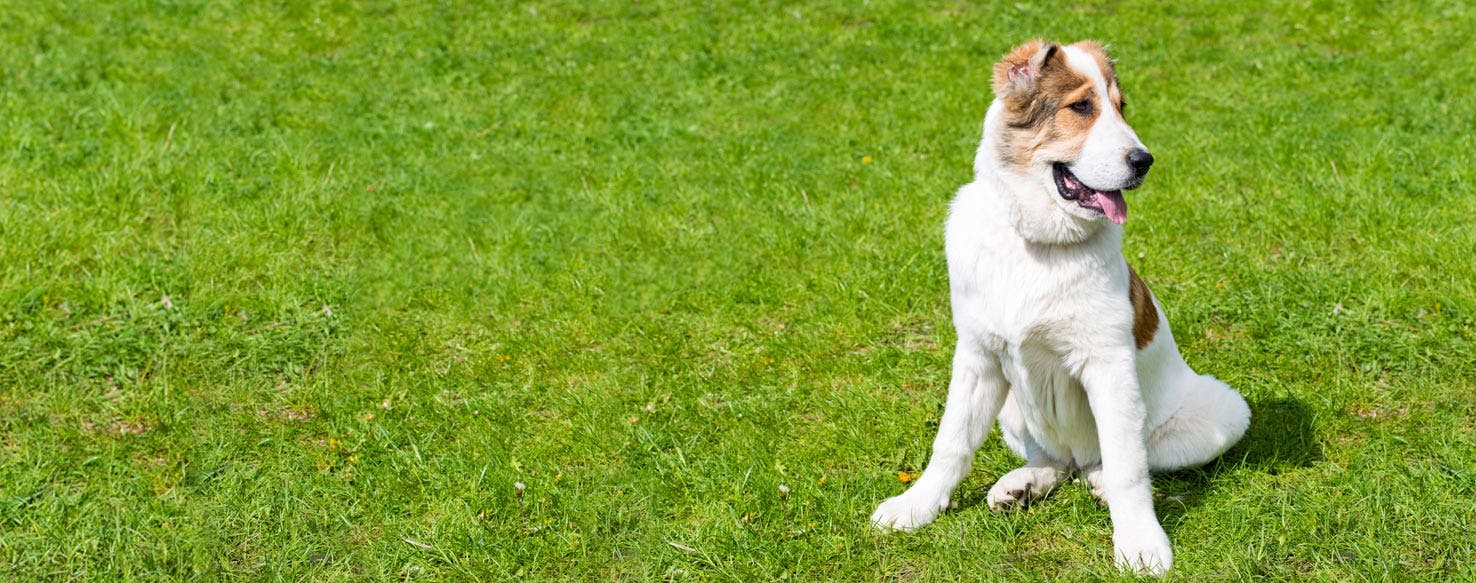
point(642, 291)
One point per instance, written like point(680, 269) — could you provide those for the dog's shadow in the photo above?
point(1280, 437)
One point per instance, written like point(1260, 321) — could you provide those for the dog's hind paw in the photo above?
point(1023, 485)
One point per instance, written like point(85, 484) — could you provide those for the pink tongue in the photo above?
point(1113, 204)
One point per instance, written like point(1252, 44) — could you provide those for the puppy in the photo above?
point(1058, 338)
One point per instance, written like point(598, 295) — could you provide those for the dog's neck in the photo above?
point(1034, 212)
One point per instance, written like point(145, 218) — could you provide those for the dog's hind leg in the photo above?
point(1033, 481)
point(975, 395)
point(1210, 420)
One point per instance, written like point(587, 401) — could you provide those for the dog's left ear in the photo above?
point(1017, 72)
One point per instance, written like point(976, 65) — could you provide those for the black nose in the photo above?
point(1140, 160)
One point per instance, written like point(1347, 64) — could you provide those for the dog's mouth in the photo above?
point(1107, 202)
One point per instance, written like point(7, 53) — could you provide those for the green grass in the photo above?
point(295, 291)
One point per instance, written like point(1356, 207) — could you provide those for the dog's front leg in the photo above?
point(975, 396)
point(1111, 383)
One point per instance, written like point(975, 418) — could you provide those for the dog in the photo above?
point(1058, 338)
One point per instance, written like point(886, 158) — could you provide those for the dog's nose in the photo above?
point(1140, 160)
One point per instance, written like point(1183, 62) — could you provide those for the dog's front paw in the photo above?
point(908, 512)
point(1143, 550)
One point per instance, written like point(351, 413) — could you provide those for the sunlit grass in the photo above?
point(302, 291)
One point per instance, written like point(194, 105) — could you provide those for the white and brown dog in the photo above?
point(1057, 336)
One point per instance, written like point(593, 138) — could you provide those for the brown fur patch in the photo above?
point(1036, 85)
point(1145, 315)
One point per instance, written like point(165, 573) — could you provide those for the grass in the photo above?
point(302, 290)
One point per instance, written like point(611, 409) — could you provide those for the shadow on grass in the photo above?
point(1280, 438)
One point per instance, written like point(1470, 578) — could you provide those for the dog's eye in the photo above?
point(1083, 107)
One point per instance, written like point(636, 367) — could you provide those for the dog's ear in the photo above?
point(1017, 72)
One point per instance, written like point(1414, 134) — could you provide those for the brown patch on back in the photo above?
point(1145, 315)
point(1036, 84)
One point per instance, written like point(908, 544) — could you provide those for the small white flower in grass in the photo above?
point(165, 303)
point(783, 491)
point(326, 311)
point(519, 486)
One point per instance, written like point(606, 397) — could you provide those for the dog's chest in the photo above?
point(1006, 291)
point(1004, 299)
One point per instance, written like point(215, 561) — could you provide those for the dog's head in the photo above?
point(1062, 126)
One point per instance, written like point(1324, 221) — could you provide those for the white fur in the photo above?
point(1045, 345)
